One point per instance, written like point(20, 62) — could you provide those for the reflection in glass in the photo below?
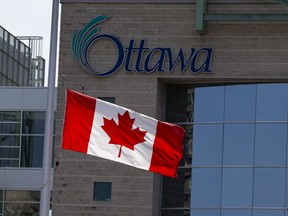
point(206, 187)
point(10, 116)
point(241, 159)
point(31, 196)
point(21, 209)
point(238, 144)
point(270, 146)
point(238, 212)
point(269, 184)
point(268, 212)
point(240, 102)
point(9, 163)
point(33, 122)
point(6, 140)
point(207, 144)
point(9, 153)
point(209, 104)
point(9, 128)
point(205, 213)
point(237, 187)
point(272, 102)
point(32, 151)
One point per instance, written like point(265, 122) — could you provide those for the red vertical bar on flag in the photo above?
point(167, 149)
point(78, 121)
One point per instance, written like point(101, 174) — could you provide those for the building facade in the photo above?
point(218, 68)
point(22, 124)
point(21, 63)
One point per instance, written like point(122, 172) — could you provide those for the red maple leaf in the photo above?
point(123, 134)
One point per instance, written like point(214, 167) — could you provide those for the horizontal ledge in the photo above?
point(245, 17)
point(173, 1)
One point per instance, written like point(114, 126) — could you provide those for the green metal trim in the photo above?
point(201, 7)
point(202, 16)
point(245, 17)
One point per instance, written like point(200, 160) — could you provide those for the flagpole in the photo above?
point(49, 120)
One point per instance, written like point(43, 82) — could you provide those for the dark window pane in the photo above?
point(209, 104)
point(270, 146)
point(240, 102)
point(269, 184)
point(272, 102)
point(7, 140)
point(108, 99)
point(206, 187)
point(9, 128)
point(10, 116)
point(32, 151)
point(207, 145)
point(9, 152)
point(237, 187)
point(9, 163)
point(102, 191)
point(238, 144)
point(33, 122)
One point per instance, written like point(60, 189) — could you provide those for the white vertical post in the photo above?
point(49, 120)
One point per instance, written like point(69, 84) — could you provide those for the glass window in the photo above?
point(33, 122)
point(108, 99)
point(272, 102)
point(21, 203)
point(27, 57)
point(207, 144)
point(15, 209)
point(9, 153)
point(270, 146)
point(209, 104)
point(5, 64)
point(16, 54)
point(31, 196)
point(10, 68)
point(102, 191)
point(9, 128)
point(22, 53)
point(240, 102)
point(6, 140)
point(269, 184)
point(268, 212)
point(237, 212)
point(11, 48)
point(6, 38)
point(206, 187)
point(238, 144)
point(32, 151)
point(205, 213)
point(9, 163)
point(10, 116)
point(237, 187)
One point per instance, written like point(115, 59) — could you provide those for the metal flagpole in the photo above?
point(49, 121)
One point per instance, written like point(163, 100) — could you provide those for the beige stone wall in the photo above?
point(243, 52)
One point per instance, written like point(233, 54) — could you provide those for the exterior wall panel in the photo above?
point(243, 52)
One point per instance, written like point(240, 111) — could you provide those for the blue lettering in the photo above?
point(207, 58)
point(180, 57)
point(148, 61)
point(90, 69)
point(158, 66)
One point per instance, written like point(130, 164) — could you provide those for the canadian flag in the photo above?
point(95, 127)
